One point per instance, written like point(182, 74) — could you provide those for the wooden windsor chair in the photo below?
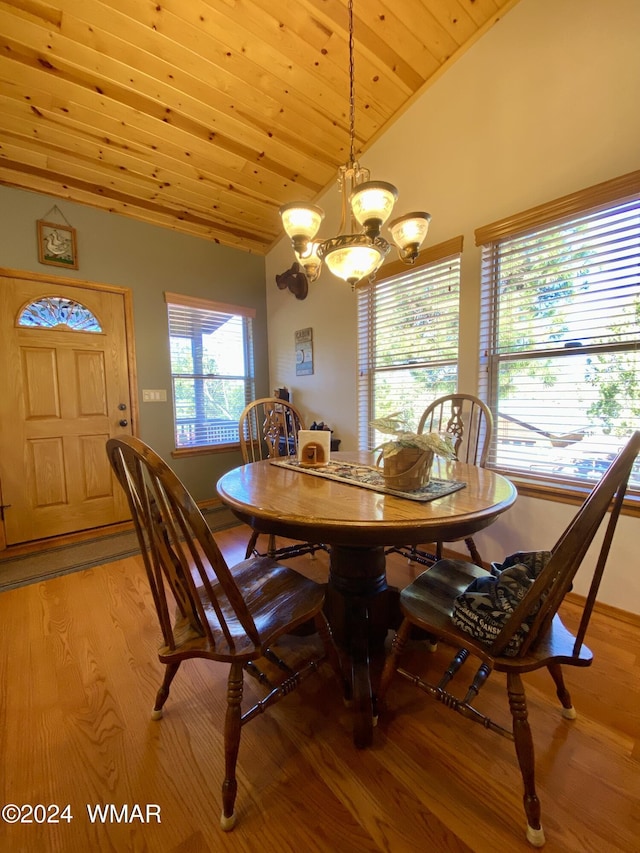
point(268, 429)
point(225, 615)
point(531, 637)
point(469, 423)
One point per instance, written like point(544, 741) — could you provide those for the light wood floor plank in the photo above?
point(78, 676)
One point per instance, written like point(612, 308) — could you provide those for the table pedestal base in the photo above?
point(361, 608)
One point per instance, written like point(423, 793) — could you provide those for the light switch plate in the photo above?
point(159, 396)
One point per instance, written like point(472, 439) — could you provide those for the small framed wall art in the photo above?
point(304, 352)
point(57, 245)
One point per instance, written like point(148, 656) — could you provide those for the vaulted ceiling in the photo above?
point(206, 115)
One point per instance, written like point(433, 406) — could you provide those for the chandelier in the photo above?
point(358, 250)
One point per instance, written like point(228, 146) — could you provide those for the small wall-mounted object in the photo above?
point(295, 280)
point(314, 447)
point(57, 242)
point(304, 352)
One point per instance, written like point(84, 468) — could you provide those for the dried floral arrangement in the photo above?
point(397, 426)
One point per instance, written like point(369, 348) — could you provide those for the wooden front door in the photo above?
point(64, 358)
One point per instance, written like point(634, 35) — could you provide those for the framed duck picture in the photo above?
point(57, 245)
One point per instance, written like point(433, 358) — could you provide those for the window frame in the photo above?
point(432, 256)
point(247, 315)
point(592, 200)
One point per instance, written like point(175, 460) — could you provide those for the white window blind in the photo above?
point(212, 372)
point(561, 338)
point(408, 340)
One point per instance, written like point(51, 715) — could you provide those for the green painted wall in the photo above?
point(148, 260)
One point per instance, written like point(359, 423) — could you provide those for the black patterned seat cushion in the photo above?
point(483, 608)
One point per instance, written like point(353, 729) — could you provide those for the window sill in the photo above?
point(564, 492)
point(205, 449)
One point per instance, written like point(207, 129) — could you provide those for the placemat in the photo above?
point(371, 478)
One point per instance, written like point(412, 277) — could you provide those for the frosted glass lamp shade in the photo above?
point(372, 203)
point(310, 261)
point(301, 223)
point(352, 256)
point(408, 233)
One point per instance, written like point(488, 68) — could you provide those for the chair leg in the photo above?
point(163, 693)
point(232, 729)
point(324, 631)
point(524, 751)
point(271, 547)
point(391, 663)
point(475, 554)
point(568, 711)
point(251, 545)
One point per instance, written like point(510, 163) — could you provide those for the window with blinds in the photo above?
point(408, 338)
point(211, 367)
point(561, 333)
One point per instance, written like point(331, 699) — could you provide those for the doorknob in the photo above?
point(124, 422)
point(122, 407)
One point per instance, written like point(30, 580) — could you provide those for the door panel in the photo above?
point(95, 466)
point(45, 472)
point(61, 405)
point(91, 382)
point(40, 383)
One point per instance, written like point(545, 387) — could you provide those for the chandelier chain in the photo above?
point(352, 100)
point(358, 249)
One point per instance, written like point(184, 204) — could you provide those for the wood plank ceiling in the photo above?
point(206, 115)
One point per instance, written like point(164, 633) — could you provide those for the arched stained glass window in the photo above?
point(52, 311)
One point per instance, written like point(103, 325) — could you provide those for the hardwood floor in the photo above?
point(79, 673)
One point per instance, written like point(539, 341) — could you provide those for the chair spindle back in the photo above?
point(179, 552)
point(467, 420)
point(268, 428)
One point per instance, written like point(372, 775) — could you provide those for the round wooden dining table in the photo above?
point(357, 524)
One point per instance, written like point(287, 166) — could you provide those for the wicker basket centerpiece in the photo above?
point(406, 459)
point(407, 470)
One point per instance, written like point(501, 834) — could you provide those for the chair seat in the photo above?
point(428, 602)
point(279, 599)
